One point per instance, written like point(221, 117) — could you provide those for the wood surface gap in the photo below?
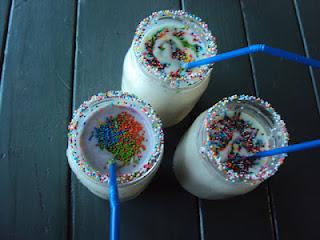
point(75, 56)
point(70, 196)
point(307, 53)
point(273, 213)
point(201, 222)
point(247, 39)
point(231, 77)
point(36, 73)
point(272, 210)
point(4, 38)
point(182, 5)
point(49, 49)
point(199, 204)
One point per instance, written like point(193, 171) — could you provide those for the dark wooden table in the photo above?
point(55, 54)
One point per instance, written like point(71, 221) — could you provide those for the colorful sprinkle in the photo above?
point(229, 136)
point(169, 47)
point(187, 40)
point(115, 98)
point(123, 136)
point(238, 138)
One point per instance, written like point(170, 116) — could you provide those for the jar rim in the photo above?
point(171, 82)
point(111, 98)
point(272, 164)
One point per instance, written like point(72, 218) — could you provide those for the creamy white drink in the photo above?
point(209, 160)
point(153, 66)
point(115, 126)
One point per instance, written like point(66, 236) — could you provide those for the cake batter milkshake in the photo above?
point(153, 67)
point(115, 126)
point(209, 160)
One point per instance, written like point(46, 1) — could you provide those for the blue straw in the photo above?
point(254, 49)
point(288, 149)
point(114, 202)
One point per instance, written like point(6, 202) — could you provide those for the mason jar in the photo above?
point(209, 162)
point(153, 66)
point(89, 160)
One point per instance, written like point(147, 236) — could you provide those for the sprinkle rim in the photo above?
point(266, 171)
point(196, 77)
point(116, 98)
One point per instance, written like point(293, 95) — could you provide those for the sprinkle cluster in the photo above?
point(218, 133)
point(174, 80)
point(182, 46)
point(123, 136)
point(239, 136)
point(113, 98)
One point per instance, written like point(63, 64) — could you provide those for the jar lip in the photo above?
point(266, 170)
point(173, 82)
point(102, 100)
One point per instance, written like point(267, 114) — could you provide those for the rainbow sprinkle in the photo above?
point(114, 98)
point(123, 136)
point(180, 78)
point(181, 46)
point(218, 133)
point(221, 136)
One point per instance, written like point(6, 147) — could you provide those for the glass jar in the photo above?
point(172, 95)
point(202, 161)
point(89, 161)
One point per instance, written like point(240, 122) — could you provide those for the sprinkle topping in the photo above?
point(234, 128)
point(166, 40)
point(169, 47)
point(234, 136)
point(121, 135)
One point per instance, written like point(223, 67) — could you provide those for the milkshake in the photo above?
point(154, 65)
point(210, 162)
point(115, 126)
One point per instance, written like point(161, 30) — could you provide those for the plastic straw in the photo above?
point(114, 203)
point(288, 149)
point(254, 49)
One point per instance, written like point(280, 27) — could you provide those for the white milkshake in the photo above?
point(115, 126)
point(208, 161)
point(153, 66)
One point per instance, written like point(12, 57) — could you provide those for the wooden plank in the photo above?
point(4, 18)
point(164, 210)
point(288, 87)
point(308, 17)
point(34, 111)
point(243, 217)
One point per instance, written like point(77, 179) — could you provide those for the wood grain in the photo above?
point(288, 87)
point(164, 210)
point(37, 94)
point(308, 17)
point(247, 216)
point(4, 20)
point(34, 108)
